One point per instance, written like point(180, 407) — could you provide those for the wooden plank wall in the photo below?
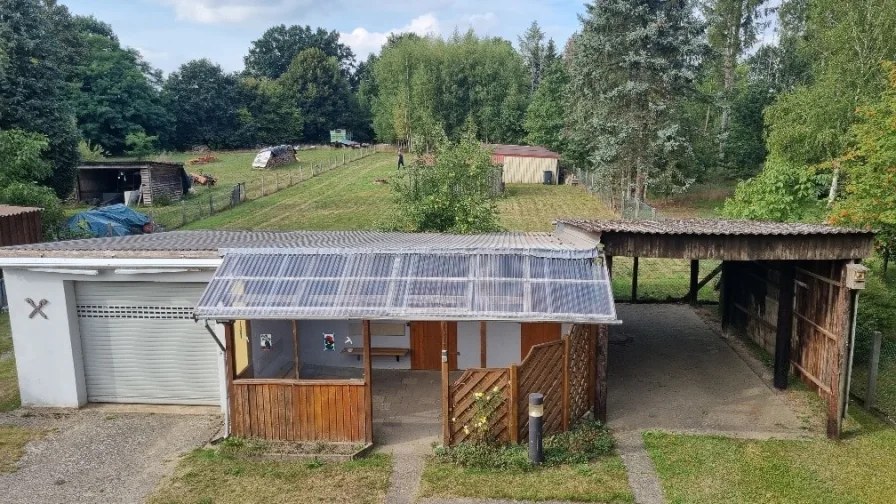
point(161, 182)
point(820, 320)
point(20, 229)
point(295, 411)
point(462, 408)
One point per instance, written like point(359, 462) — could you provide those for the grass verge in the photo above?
point(710, 469)
point(12, 445)
point(226, 475)
point(603, 480)
point(9, 385)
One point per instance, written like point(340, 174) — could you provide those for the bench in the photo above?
point(398, 353)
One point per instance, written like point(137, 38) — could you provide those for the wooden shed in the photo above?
point(19, 225)
point(524, 164)
point(105, 182)
point(792, 288)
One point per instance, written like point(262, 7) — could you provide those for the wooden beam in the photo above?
point(600, 388)
point(368, 381)
point(842, 314)
point(712, 274)
point(609, 260)
point(819, 277)
point(565, 397)
point(513, 407)
point(695, 277)
point(726, 295)
point(634, 280)
point(755, 317)
point(784, 332)
point(483, 344)
point(446, 406)
point(295, 348)
point(229, 370)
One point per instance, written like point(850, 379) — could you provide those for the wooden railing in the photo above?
point(565, 371)
point(308, 410)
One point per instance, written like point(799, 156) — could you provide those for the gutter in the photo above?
point(107, 263)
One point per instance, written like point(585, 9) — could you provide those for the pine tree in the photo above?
point(532, 49)
point(632, 64)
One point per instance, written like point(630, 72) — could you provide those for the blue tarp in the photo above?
point(122, 220)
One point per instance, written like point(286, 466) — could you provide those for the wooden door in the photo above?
point(426, 345)
point(534, 333)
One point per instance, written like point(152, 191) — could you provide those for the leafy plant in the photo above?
point(90, 152)
point(140, 145)
point(448, 190)
point(781, 192)
point(486, 406)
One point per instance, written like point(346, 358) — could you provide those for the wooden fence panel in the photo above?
point(297, 411)
point(542, 371)
point(582, 353)
point(462, 405)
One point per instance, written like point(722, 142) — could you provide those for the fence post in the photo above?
point(565, 383)
point(262, 185)
point(343, 158)
point(513, 427)
point(871, 391)
point(211, 204)
point(183, 213)
point(695, 279)
point(635, 280)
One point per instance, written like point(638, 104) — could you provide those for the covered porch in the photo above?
point(315, 339)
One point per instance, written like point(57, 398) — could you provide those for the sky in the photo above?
point(169, 33)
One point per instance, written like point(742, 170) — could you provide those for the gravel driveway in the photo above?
point(102, 455)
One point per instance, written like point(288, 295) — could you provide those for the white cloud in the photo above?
point(150, 55)
point(228, 11)
point(481, 23)
point(364, 42)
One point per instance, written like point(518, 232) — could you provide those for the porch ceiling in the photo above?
point(523, 284)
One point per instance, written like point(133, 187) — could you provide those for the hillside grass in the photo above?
point(701, 200)
point(349, 198)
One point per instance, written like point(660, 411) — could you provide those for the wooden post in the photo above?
point(183, 213)
point(295, 348)
point(600, 389)
point(211, 204)
point(229, 372)
point(726, 298)
point(871, 389)
point(446, 406)
point(513, 426)
point(634, 280)
point(483, 344)
point(695, 279)
point(784, 335)
point(368, 381)
point(842, 309)
point(565, 383)
point(609, 259)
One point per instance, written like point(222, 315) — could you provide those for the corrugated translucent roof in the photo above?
point(413, 284)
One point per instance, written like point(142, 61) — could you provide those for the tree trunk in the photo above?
point(732, 51)
point(835, 186)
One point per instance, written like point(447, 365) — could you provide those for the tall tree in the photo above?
point(733, 27)
point(546, 115)
point(533, 51)
point(117, 92)
point(316, 85)
point(271, 55)
point(632, 64)
point(204, 104)
point(269, 115)
point(33, 92)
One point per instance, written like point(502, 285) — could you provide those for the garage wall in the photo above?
point(49, 361)
point(528, 170)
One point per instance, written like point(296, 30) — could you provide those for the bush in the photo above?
point(586, 442)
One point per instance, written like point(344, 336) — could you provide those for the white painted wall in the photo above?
point(502, 343)
point(281, 357)
point(48, 354)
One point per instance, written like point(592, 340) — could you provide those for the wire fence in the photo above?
point(874, 369)
point(218, 199)
point(626, 205)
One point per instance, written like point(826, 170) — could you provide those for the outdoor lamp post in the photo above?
point(536, 411)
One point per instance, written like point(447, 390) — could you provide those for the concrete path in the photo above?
point(642, 477)
point(101, 455)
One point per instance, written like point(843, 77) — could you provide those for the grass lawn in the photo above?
point(223, 476)
point(9, 385)
point(708, 469)
point(349, 199)
point(601, 481)
point(12, 445)
point(703, 200)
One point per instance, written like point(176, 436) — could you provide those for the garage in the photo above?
point(140, 344)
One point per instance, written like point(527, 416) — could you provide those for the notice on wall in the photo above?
point(329, 342)
point(267, 342)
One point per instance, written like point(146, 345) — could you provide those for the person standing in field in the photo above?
point(400, 159)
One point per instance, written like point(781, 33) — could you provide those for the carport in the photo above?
point(792, 288)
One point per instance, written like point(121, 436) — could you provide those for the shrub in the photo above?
point(485, 456)
point(585, 442)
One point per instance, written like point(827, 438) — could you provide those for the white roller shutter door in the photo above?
point(141, 345)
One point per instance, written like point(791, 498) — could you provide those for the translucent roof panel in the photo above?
point(519, 285)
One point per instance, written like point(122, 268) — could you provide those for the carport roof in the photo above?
point(718, 227)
